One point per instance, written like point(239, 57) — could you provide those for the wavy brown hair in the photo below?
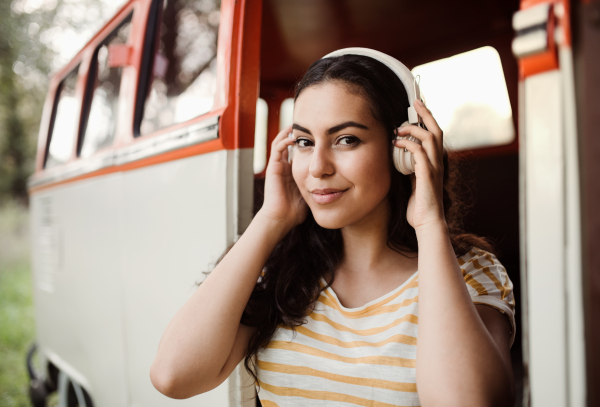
point(287, 291)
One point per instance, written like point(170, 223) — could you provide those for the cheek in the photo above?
point(372, 176)
point(299, 174)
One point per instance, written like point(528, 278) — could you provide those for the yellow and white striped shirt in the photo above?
point(365, 356)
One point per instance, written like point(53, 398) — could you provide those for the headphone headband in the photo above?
point(406, 77)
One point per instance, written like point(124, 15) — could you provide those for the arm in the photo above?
point(499, 327)
point(200, 338)
point(462, 351)
point(205, 341)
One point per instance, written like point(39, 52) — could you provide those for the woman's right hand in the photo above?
point(283, 201)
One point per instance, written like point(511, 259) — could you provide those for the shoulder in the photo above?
point(488, 282)
point(485, 275)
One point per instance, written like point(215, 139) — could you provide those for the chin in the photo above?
point(331, 218)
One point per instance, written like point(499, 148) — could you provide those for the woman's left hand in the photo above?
point(425, 206)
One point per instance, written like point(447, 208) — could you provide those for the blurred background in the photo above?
point(37, 37)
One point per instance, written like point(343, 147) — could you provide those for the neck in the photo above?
point(365, 243)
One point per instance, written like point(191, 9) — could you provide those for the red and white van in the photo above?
point(151, 156)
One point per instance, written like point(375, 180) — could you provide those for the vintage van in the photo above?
point(152, 149)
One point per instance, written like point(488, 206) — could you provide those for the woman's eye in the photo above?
point(348, 140)
point(302, 142)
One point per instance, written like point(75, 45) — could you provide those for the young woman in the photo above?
point(340, 316)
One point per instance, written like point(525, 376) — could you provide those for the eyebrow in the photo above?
point(334, 129)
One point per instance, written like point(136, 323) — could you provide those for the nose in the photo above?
point(321, 163)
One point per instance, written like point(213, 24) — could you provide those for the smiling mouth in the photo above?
point(325, 196)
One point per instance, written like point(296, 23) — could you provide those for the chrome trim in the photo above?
point(536, 15)
point(196, 133)
point(531, 26)
point(531, 43)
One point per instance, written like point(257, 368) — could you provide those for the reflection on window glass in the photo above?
point(63, 130)
point(286, 113)
point(184, 67)
point(468, 97)
point(260, 136)
point(99, 130)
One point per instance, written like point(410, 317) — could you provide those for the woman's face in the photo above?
point(341, 162)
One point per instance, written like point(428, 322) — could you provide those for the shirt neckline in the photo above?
point(370, 303)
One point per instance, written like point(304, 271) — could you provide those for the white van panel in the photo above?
point(552, 236)
point(573, 251)
point(173, 228)
point(120, 255)
point(545, 240)
point(77, 290)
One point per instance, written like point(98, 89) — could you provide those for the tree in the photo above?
point(36, 38)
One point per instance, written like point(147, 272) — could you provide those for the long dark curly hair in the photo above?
point(287, 290)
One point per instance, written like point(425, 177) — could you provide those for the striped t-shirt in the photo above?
point(365, 356)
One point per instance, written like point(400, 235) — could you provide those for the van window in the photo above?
point(183, 78)
point(64, 122)
point(100, 119)
point(467, 95)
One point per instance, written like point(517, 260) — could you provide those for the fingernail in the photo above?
point(420, 103)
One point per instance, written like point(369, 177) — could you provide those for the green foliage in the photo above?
point(24, 65)
point(16, 333)
point(32, 39)
point(16, 308)
point(36, 38)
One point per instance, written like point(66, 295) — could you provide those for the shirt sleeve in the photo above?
point(489, 284)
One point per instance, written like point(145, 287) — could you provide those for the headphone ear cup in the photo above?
point(403, 159)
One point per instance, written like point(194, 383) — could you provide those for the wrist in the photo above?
point(436, 227)
point(278, 227)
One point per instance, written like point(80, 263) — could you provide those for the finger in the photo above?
point(430, 122)
point(280, 148)
point(281, 135)
point(285, 154)
point(428, 141)
point(418, 151)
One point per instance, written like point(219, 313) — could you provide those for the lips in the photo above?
point(327, 195)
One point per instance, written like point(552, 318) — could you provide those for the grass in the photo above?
point(17, 329)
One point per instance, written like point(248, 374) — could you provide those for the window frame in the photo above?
point(50, 132)
point(88, 95)
point(229, 124)
point(151, 41)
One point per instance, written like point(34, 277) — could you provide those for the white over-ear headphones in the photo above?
point(403, 159)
